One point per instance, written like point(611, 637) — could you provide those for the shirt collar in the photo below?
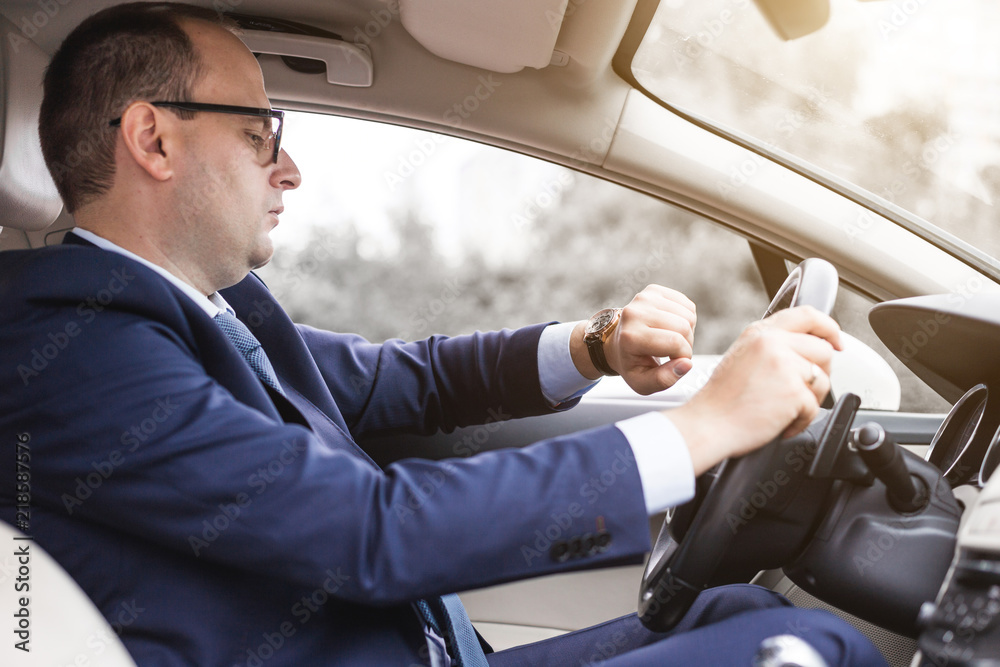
point(212, 304)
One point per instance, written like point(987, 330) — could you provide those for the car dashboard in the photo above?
point(947, 341)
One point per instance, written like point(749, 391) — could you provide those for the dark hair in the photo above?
point(135, 51)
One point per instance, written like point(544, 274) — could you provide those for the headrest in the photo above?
point(28, 196)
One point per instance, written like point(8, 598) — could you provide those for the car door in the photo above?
point(452, 236)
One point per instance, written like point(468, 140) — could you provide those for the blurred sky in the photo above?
point(362, 173)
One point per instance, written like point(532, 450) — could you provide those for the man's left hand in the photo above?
point(658, 322)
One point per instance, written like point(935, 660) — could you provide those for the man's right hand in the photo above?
point(770, 382)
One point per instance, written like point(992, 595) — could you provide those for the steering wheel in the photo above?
point(677, 572)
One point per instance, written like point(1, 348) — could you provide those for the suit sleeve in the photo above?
point(185, 465)
point(437, 383)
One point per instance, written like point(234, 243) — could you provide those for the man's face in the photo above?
point(227, 197)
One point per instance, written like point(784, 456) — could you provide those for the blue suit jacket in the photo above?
point(215, 523)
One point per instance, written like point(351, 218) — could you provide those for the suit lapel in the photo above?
point(308, 401)
point(220, 359)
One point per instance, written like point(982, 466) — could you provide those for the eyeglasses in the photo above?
point(265, 145)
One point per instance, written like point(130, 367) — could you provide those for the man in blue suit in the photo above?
point(194, 452)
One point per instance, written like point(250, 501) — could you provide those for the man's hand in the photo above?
point(770, 382)
point(658, 322)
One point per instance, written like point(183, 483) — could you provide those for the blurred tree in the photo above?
point(597, 248)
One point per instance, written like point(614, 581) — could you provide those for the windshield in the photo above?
point(899, 98)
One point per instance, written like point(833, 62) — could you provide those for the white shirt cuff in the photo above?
point(557, 374)
point(662, 459)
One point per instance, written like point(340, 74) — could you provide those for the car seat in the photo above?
point(66, 628)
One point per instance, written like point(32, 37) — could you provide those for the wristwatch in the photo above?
point(599, 328)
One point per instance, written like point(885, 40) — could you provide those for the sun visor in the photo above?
point(28, 196)
point(501, 37)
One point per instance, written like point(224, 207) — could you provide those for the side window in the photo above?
point(402, 233)
point(398, 233)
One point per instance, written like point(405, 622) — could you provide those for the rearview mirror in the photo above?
point(792, 19)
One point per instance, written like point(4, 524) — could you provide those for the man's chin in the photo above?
point(262, 256)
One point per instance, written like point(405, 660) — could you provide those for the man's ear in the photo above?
point(147, 134)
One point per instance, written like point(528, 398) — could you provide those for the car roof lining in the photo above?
point(568, 115)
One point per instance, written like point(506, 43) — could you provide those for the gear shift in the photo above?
point(884, 458)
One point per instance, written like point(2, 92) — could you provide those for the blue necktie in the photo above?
point(249, 347)
point(447, 616)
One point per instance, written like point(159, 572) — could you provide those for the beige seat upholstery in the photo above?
point(64, 625)
point(28, 197)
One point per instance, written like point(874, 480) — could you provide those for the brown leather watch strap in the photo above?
point(596, 349)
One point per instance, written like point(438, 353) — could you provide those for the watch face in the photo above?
point(600, 320)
